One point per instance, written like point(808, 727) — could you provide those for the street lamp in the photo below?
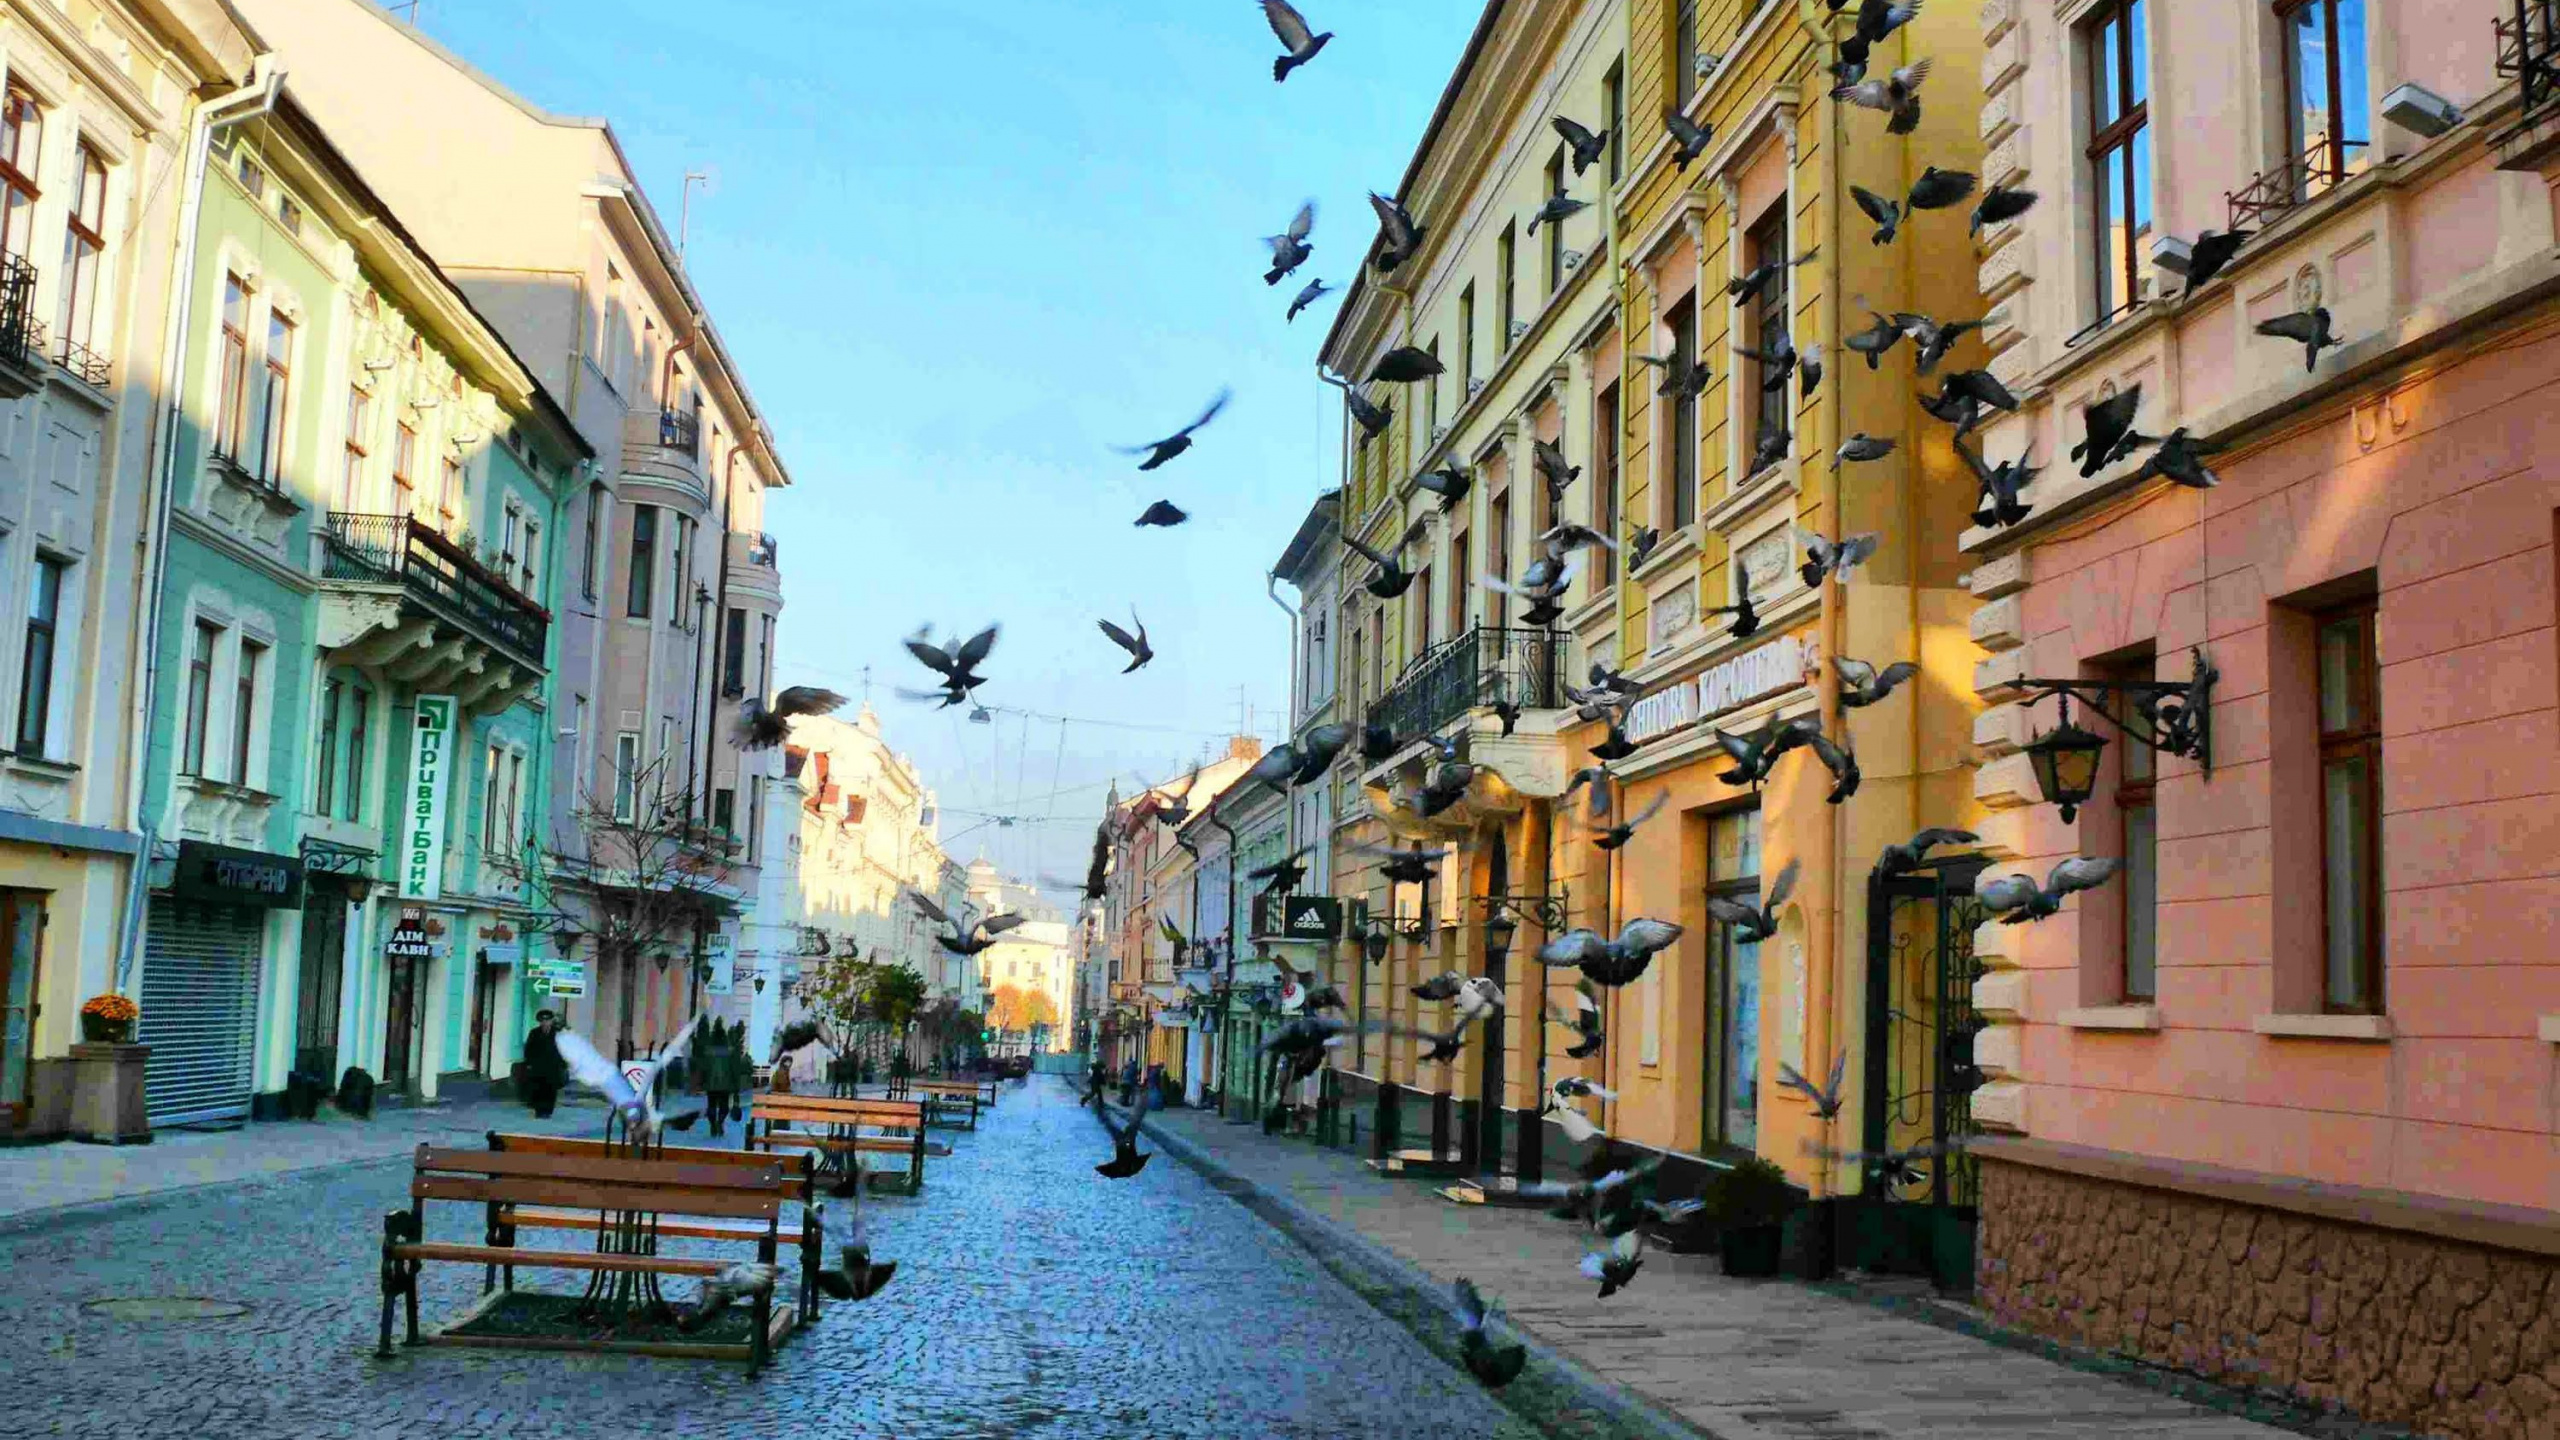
point(2172, 717)
point(1499, 927)
point(2066, 764)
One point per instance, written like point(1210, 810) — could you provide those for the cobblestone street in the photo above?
point(1032, 1299)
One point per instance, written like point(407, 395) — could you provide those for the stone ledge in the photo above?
point(2469, 1222)
point(2323, 1027)
point(2111, 1017)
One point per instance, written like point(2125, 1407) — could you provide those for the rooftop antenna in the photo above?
point(409, 5)
point(684, 220)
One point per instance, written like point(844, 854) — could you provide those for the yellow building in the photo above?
point(1696, 1041)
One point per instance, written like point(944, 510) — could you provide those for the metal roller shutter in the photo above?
point(199, 1011)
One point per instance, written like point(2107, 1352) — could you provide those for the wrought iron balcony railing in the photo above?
point(2528, 44)
point(2320, 168)
point(438, 574)
point(81, 361)
point(680, 430)
point(1468, 671)
point(20, 336)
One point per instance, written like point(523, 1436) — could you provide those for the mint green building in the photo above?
point(350, 729)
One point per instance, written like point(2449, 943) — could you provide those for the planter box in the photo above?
point(106, 1094)
point(1753, 1252)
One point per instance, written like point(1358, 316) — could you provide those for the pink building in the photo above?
point(2277, 1104)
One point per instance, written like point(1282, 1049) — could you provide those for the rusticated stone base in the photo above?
point(2391, 1327)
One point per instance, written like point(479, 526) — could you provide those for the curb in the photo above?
point(81, 1213)
point(1557, 1393)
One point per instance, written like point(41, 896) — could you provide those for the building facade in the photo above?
point(2313, 1023)
point(85, 348)
point(869, 852)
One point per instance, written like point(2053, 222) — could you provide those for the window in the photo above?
point(679, 564)
point(528, 567)
point(2326, 91)
point(1767, 244)
point(359, 715)
point(351, 470)
point(1418, 619)
point(1613, 104)
point(2350, 809)
point(1604, 479)
point(626, 776)
point(598, 498)
point(1466, 344)
point(1458, 583)
point(733, 653)
point(2138, 841)
point(199, 696)
point(289, 215)
point(35, 666)
point(2117, 41)
point(724, 812)
point(449, 494)
point(1506, 249)
point(1378, 650)
point(404, 471)
point(644, 559)
point(764, 660)
point(271, 419)
point(1431, 397)
point(84, 238)
point(324, 793)
point(1684, 50)
point(21, 134)
point(1733, 1029)
point(244, 713)
point(755, 815)
point(1555, 228)
point(492, 792)
point(252, 179)
point(231, 406)
point(512, 521)
point(1684, 416)
point(508, 837)
point(1497, 558)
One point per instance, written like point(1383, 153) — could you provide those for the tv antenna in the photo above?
point(684, 219)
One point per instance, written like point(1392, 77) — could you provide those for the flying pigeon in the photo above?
point(1374, 418)
point(2209, 254)
point(1778, 362)
point(1164, 513)
point(1494, 1365)
point(1402, 233)
point(1378, 741)
point(761, 727)
point(1980, 386)
point(1681, 379)
point(1583, 1020)
point(1809, 368)
point(1863, 446)
point(1140, 652)
point(1754, 756)
point(1640, 545)
point(1876, 339)
point(1506, 710)
point(1587, 146)
point(1126, 1160)
point(1937, 189)
point(2108, 424)
point(1450, 482)
point(633, 1102)
point(1886, 213)
point(1840, 759)
point(958, 667)
point(1826, 1099)
point(1689, 139)
point(1862, 684)
point(1577, 1126)
point(1179, 441)
point(1771, 449)
point(857, 1276)
point(2017, 899)
point(2311, 327)
point(1314, 291)
point(1443, 986)
point(2001, 203)
point(1746, 619)
point(2000, 486)
point(1610, 963)
point(1295, 38)
point(1282, 875)
point(1898, 95)
point(1750, 922)
point(1552, 467)
point(1932, 338)
point(1615, 745)
point(1411, 866)
point(1574, 1087)
point(1747, 287)
point(1098, 870)
point(1289, 248)
point(1559, 207)
point(1612, 837)
point(1316, 751)
point(1615, 1268)
point(2180, 457)
point(1405, 364)
point(1390, 579)
point(1908, 856)
point(1822, 557)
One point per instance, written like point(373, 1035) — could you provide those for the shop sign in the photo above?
point(1779, 665)
point(563, 979)
point(408, 941)
point(1297, 917)
point(225, 876)
point(723, 966)
point(422, 808)
point(496, 955)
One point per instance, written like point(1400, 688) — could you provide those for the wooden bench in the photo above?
point(823, 1122)
point(799, 1181)
point(501, 1179)
point(941, 1098)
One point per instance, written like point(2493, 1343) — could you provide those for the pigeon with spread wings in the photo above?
point(2018, 899)
point(1296, 39)
point(1495, 1365)
point(1610, 963)
point(1749, 921)
point(1583, 1019)
point(1289, 248)
point(1126, 1159)
point(632, 1102)
point(761, 727)
point(1140, 652)
point(1160, 451)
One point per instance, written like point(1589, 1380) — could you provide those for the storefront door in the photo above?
point(21, 937)
point(399, 1022)
point(1732, 1030)
point(324, 969)
point(199, 1010)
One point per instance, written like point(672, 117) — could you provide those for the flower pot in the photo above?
point(1752, 1251)
point(98, 1030)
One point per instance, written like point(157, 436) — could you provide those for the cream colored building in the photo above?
point(869, 845)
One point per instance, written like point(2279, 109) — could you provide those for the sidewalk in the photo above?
point(37, 1178)
point(1735, 1359)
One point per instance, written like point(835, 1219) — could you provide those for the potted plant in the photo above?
point(1751, 1203)
point(109, 1019)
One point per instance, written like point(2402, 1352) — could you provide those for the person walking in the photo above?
point(724, 1071)
point(544, 1071)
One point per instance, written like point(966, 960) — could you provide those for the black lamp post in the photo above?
point(2066, 764)
point(2173, 717)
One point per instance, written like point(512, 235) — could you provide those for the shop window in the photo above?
point(1733, 1020)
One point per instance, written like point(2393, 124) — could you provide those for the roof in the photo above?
point(1323, 515)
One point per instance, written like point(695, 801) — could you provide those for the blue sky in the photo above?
point(963, 248)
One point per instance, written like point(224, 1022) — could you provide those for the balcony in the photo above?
point(2320, 168)
point(666, 446)
point(1467, 673)
point(82, 363)
point(416, 606)
point(21, 338)
point(2528, 46)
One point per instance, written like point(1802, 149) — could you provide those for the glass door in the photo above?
point(1732, 1030)
point(21, 932)
point(324, 965)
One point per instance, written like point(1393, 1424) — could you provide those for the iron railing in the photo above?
point(763, 550)
point(21, 338)
point(2319, 169)
point(87, 365)
point(680, 430)
point(438, 574)
point(2528, 44)
point(1469, 671)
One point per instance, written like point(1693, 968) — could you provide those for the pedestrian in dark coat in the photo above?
point(724, 1070)
point(544, 1071)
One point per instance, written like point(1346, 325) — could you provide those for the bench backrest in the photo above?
point(666, 1187)
point(799, 1171)
point(964, 1088)
point(827, 1110)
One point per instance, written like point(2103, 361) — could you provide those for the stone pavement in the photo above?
point(1033, 1298)
point(1736, 1359)
point(46, 1177)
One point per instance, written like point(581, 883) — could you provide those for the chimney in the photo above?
point(1244, 747)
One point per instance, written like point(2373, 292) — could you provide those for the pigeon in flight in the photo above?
point(1378, 741)
point(1411, 866)
point(1140, 652)
point(2017, 899)
point(1777, 363)
point(1876, 20)
point(1611, 837)
point(1443, 986)
point(1750, 922)
point(2180, 457)
point(1587, 145)
point(1180, 440)
point(1932, 338)
point(1574, 1087)
point(1560, 207)
point(857, 1276)
point(1583, 1020)
point(2311, 327)
point(1289, 248)
point(1862, 684)
point(1405, 364)
point(1390, 579)
point(1494, 1365)
point(1164, 513)
point(1098, 869)
point(1897, 95)
point(1886, 213)
point(1316, 751)
point(1826, 1099)
point(1746, 619)
point(1450, 482)
point(1316, 290)
point(1771, 449)
point(1373, 417)
point(1877, 339)
point(1126, 1159)
point(1747, 287)
point(2110, 434)
point(957, 667)
point(2001, 483)
point(1937, 189)
point(2001, 203)
point(1402, 233)
point(1552, 467)
point(1577, 1126)
point(1908, 856)
point(1979, 388)
point(1681, 379)
point(2209, 254)
point(1282, 875)
point(1689, 139)
point(1641, 544)
point(1809, 368)
point(1838, 758)
point(1755, 755)
point(1821, 557)
point(761, 727)
point(981, 935)
point(1615, 1268)
point(1295, 38)
point(1863, 446)
point(634, 1103)
point(1610, 963)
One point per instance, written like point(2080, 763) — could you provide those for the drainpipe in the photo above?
point(1235, 860)
point(1297, 667)
point(258, 97)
